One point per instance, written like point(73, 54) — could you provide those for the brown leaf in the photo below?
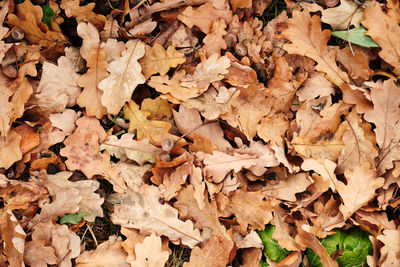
point(158, 60)
point(391, 241)
point(251, 257)
point(30, 138)
point(109, 253)
point(357, 64)
point(10, 150)
point(83, 13)
point(315, 86)
point(204, 16)
point(215, 252)
point(273, 128)
point(13, 237)
point(38, 247)
point(341, 17)
point(360, 188)
point(125, 75)
point(214, 41)
point(172, 183)
point(288, 188)
point(83, 152)
point(308, 40)
point(385, 32)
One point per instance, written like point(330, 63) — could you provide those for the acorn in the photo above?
point(17, 33)
point(241, 49)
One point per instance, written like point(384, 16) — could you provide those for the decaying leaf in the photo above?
point(341, 17)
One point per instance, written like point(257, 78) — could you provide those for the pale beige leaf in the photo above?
point(149, 253)
point(142, 210)
point(58, 86)
point(288, 188)
point(10, 151)
point(172, 183)
point(219, 164)
point(390, 239)
point(65, 120)
point(341, 17)
point(214, 41)
point(324, 168)
point(109, 253)
point(38, 247)
point(125, 75)
point(316, 85)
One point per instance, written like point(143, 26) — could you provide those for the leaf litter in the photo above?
point(232, 132)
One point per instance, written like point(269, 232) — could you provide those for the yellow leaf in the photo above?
point(157, 107)
point(158, 60)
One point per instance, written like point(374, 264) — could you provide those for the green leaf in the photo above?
point(353, 245)
point(271, 247)
point(73, 218)
point(357, 36)
point(47, 14)
point(264, 264)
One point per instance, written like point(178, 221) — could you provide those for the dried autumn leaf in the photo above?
point(149, 253)
point(142, 210)
point(288, 188)
point(83, 13)
point(158, 60)
point(214, 41)
point(308, 40)
point(58, 87)
point(69, 197)
point(273, 129)
point(385, 31)
point(341, 17)
point(125, 75)
point(205, 218)
point(65, 120)
point(391, 241)
point(38, 247)
point(10, 150)
point(204, 16)
point(357, 64)
point(82, 149)
point(90, 98)
point(315, 86)
point(360, 188)
point(219, 164)
point(215, 252)
point(158, 108)
point(13, 237)
point(109, 253)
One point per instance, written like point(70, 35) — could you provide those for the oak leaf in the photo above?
point(90, 98)
point(125, 75)
point(219, 164)
point(65, 121)
point(109, 253)
point(38, 247)
point(13, 237)
point(273, 128)
point(158, 108)
point(149, 253)
point(142, 210)
point(359, 190)
point(172, 183)
point(83, 13)
point(158, 60)
point(82, 149)
point(204, 16)
point(10, 150)
point(214, 41)
point(357, 64)
point(215, 252)
point(315, 86)
point(58, 87)
point(205, 218)
point(385, 32)
point(69, 197)
point(391, 241)
point(308, 40)
point(341, 17)
point(288, 188)
point(325, 168)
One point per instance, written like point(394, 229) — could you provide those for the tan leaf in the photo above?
point(109, 253)
point(83, 13)
point(6, 108)
point(10, 150)
point(308, 40)
point(90, 38)
point(58, 87)
point(125, 75)
point(214, 41)
point(201, 143)
point(38, 247)
point(250, 209)
point(315, 86)
point(358, 96)
point(184, 87)
point(357, 64)
point(385, 32)
point(90, 98)
point(273, 128)
point(215, 252)
point(390, 239)
point(288, 188)
point(324, 168)
point(359, 190)
point(149, 252)
point(172, 183)
point(69, 197)
point(235, 4)
point(65, 121)
point(284, 233)
point(143, 211)
point(13, 237)
point(205, 218)
point(204, 16)
point(386, 112)
point(341, 17)
point(157, 107)
point(251, 257)
point(158, 60)
point(30, 137)
point(357, 148)
point(219, 164)
point(83, 152)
